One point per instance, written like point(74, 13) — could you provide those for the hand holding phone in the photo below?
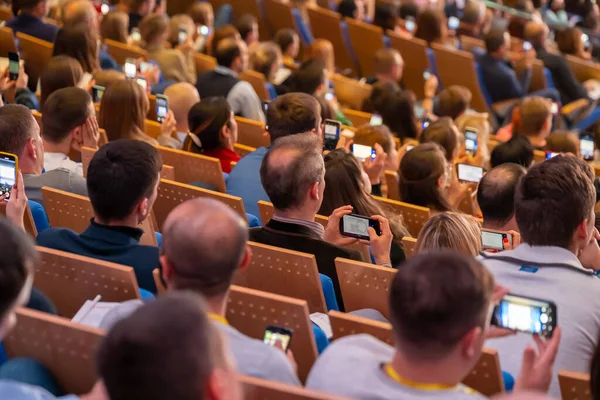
point(586, 148)
point(9, 165)
point(130, 68)
point(526, 314)
point(13, 66)
point(357, 226)
point(376, 120)
point(331, 134)
point(453, 23)
point(162, 107)
point(469, 173)
point(278, 336)
point(471, 140)
point(97, 93)
point(361, 152)
point(496, 240)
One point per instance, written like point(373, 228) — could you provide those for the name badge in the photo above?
point(531, 270)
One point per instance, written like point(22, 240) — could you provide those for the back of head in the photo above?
point(79, 12)
point(224, 32)
point(347, 8)
point(494, 40)
point(563, 142)
point(173, 330)
point(419, 174)
point(206, 120)
point(284, 38)
point(192, 233)
point(322, 49)
point(436, 298)
point(408, 9)
point(397, 112)
point(63, 111)
point(128, 100)
point(535, 111)
point(152, 27)
point(496, 193)
point(473, 12)
point(385, 16)
point(227, 51)
point(264, 57)
point(176, 23)
point(60, 72)
point(290, 168)
point(202, 13)
point(245, 25)
point(308, 77)
point(534, 33)
point(182, 96)
point(114, 26)
point(291, 114)
point(78, 42)
point(552, 199)
point(568, 40)
point(17, 126)
point(429, 26)
point(369, 135)
point(457, 232)
point(385, 60)
point(517, 150)
point(443, 133)
point(454, 101)
point(120, 175)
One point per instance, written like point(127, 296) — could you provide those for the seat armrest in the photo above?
point(503, 108)
point(572, 110)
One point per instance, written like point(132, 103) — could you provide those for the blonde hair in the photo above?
point(459, 232)
point(322, 49)
point(114, 26)
point(535, 111)
point(262, 58)
point(177, 22)
point(480, 122)
point(152, 27)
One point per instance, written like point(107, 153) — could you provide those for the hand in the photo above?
point(23, 79)
point(456, 191)
point(168, 125)
point(375, 168)
point(152, 75)
point(89, 86)
point(431, 86)
point(516, 241)
point(90, 133)
point(494, 331)
point(380, 245)
point(589, 256)
point(332, 230)
point(477, 158)
point(345, 143)
point(292, 360)
point(186, 46)
point(15, 207)
point(537, 369)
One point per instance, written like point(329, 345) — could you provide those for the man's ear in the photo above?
point(247, 258)
point(581, 232)
point(31, 150)
point(314, 191)
point(471, 343)
point(167, 271)
point(142, 208)
point(76, 138)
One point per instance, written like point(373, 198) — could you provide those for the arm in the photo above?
point(574, 89)
point(524, 82)
point(245, 102)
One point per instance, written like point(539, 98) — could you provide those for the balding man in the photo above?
point(182, 96)
point(471, 22)
point(389, 66)
point(562, 75)
point(293, 175)
point(204, 243)
point(232, 58)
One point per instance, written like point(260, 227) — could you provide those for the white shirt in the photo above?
point(60, 160)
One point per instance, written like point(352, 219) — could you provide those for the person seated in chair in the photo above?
point(29, 15)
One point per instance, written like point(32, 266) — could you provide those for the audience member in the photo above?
point(182, 97)
point(439, 305)
point(572, 41)
point(60, 72)
point(266, 58)
point(180, 24)
point(202, 14)
point(309, 78)
point(20, 135)
point(224, 32)
point(432, 27)
point(322, 49)
point(114, 26)
point(372, 136)
point(454, 101)
point(293, 175)
point(536, 120)
point(386, 16)
point(69, 121)
point(289, 114)
point(289, 43)
point(138, 9)
point(388, 67)
point(479, 122)
point(232, 57)
point(247, 25)
point(496, 194)
point(352, 9)
point(555, 13)
point(554, 210)
point(517, 150)
point(563, 142)
point(471, 22)
point(79, 43)
point(16, 91)
point(396, 108)
point(192, 232)
point(444, 133)
point(213, 131)
point(457, 232)
point(29, 15)
point(122, 181)
point(107, 77)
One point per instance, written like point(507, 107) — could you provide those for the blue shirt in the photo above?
point(244, 181)
point(501, 80)
point(107, 61)
point(19, 391)
point(33, 26)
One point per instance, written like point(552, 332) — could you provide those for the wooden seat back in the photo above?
point(350, 92)
point(278, 15)
point(414, 54)
point(7, 41)
point(260, 389)
point(5, 13)
point(242, 150)
point(122, 51)
point(574, 385)
point(252, 133)
point(391, 180)
point(343, 324)
point(36, 53)
point(160, 287)
point(583, 69)
point(366, 39)
point(252, 7)
point(414, 216)
point(258, 82)
point(358, 118)
point(204, 63)
point(191, 167)
point(409, 244)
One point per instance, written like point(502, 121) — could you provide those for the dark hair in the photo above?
point(206, 120)
point(562, 142)
point(60, 72)
point(245, 24)
point(347, 8)
point(432, 308)
point(494, 40)
point(408, 9)
point(227, 51)
point(326, 109)
point(568, 40)
point(386, 16)
point(472, 12)
point(396, 108)
point(429, 26)
point(19, 258)
point(418, 176)
point(291, 114)
point(443, 133)
point(224, 32)
point(308, 77)
point(496, 192)
point(78, 42)
point(284, 38)
point(120, 175)
point(287, 182)
point(173, 330)
point(553, 199)
point(24, 5)
point(454, 101)
point(65, 110)
point(16, 128)
point(517, 150)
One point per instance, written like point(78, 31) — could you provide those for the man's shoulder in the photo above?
point(249, 164)
point(56, 237)
point(20, 391)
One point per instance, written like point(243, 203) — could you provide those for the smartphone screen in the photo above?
point(469, 173)
point(331, 134)
point(265, 106)
point(357, 226)
point(453, 23)
point(526, 314)
point(136, 35)
point(376, 120)
point(409, 25)
point(278, 336)
point(361, 152)
point(182, 36)
point(162, 107)
point(203, 30)
point(8, 173)
point(130, 68)
point(585, 39)
point(426, 74)
point(144, 66)
point(471, 140)
point(142, 82)
point(425, 123)
point(554, 108)
point(527, 46)
point(97, 93)
point(419, 111)
point(492, 240)
point(550, 155)
point(329, 96)
point(13, 66)
point(586, 147)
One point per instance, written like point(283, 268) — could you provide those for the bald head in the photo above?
point(204, 243)
point(182, 96)
point(496, 194)
point(79, 12)
point(535, 33)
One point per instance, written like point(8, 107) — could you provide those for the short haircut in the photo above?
point(152, 26)
point(291, 166)
point(172, 331)
point(454, 101)
point(284, 38)
point(263, 56)
point(120, 175)
point(473, 12)
point(224, 32)
point(16, 128)
point(517, 150)
point(534, 111)
point(494, 40)
point(192, 232)
point(432, 308)
point(457, 232)
point(443, 133)
point(563, 142)
point(408, 9)
point(228, 50)
point(18, 261)
point(308, 77)
point(496, 192)
point(429, 25)
point(553, 199)
point(291, 114)
point(63, 111)
point(245, 25)
point(369, 135)
point(385, 60)
point(347, 8)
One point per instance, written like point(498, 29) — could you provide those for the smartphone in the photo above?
point(130, 68)
point(9, 164)
point(203, 30)
point(426, 74)
point(361, 152)
point(265, 106)
point(554, 108)
point(425, 123)
point(278, 336)
point(144, 66)
point(357, 226)
point(142, 82)
point(526, 314)
point(453, 23)
point(104, 9)
point(162, 107)
point(97, 93)
point(409, 148)
point(494, 240)
point(469, 173)
point(471, 140)
point(419, 111)
point(409, 25)
point(182, 35)
point(329, 96)
point(586, 147)
point(13, 66)
point(136, 35)
point(331, 134)
point(585, 39)
point(376, 120)
point(527, 46)
point(550, 155)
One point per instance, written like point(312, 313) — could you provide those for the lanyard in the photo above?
point(422, 386)
point(218, 318)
